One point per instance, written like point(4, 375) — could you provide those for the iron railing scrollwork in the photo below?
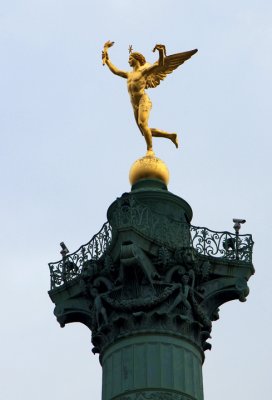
point(224, 245)
point(72, 264)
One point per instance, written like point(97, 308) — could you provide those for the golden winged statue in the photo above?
point(144, 76)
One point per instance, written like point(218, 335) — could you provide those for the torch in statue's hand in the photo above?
point(105, 55)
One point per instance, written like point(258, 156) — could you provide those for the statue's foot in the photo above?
point(150, 153)
point(174, 139)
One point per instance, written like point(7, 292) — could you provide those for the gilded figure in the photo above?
point(144, 76)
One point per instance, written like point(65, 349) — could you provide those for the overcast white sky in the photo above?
point(68, 139)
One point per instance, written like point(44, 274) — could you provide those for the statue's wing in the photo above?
point(159, 72)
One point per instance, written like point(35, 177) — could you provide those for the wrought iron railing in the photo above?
point(224, 245)
point(205, 242)
point(72, 264)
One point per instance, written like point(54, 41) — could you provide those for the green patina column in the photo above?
point(148, 286)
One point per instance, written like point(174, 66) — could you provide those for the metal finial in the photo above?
point(130, 49)
point(237, 224)
point(64, 250)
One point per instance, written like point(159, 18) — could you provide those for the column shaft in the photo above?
point(153, 367)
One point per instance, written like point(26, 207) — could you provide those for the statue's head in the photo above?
point(136, 56)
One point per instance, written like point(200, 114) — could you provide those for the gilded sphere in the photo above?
point(148, 167)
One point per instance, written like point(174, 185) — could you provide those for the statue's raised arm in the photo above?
point(165, 66)
point(144, 76)
point(106, 60)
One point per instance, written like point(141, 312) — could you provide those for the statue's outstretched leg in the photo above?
point(172, 136)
